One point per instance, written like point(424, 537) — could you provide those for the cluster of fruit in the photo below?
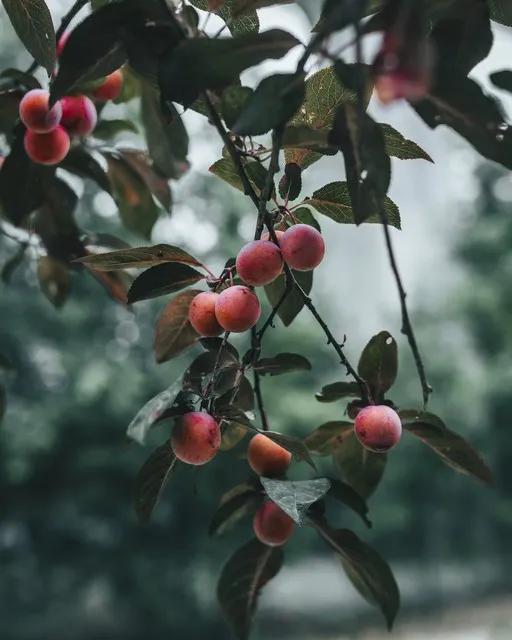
point(47, 138)
point(237, 308)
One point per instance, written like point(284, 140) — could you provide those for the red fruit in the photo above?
point(237, 309)
point(259, 262)
point(62, 43)
point(401, 84)
point(272, 525)
point(378, 428)
point(196, 438)
point(110, 88)
point(79, 115)
point(47, 148)
point(302, 247)
point(267, 458)
point(36, 114)
point(202, 316)
point(279, 235)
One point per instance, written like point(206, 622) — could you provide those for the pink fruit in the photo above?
point(259, 262)
point(47, 148)
point(272, 525)
point(196, 438)
point(36, 114)
point(267, 458)
point(79, 115)
point(302, 247)
point(237, 309)
point(202, 316)
point(110, 88)
point(378, 428)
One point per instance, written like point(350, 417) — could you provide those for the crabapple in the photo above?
point(378, 428)
point(35, 112)
point(272, 525)
point(202, 316)
point(302, 247)
point(259, 262)
point(47, 148)
point(278, 232)
point(237, 309)
point(79, 115)
point(196, 438)
point(110, 88)
point(267, 458)
point(62, 43)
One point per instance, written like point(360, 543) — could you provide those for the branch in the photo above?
point(256, 348)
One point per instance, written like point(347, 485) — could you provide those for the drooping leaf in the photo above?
point(225, 169)
point(241, 501)
point(282, 363)
point(274, 102)
point(241, 581)
point(295, 497)
point(378, 364)
point(305, 215)
point(399, 147)
point(238, 25)
point(139, 258)
point(157, 183)
point(233, 433)
point(152, 479)
point(333, 201)
point(293, 445)
point(161, 280)
point(106, 129)
point(501, 11)
point(338, 14)
point(173, 332)
point(366, 569)
point(290, 184)
point(151, 412)
point(53, 277)
point(233, 102)
point(338, 390)
point(293, 302)
point(81, 162)
point(32, 22)
point(200, 370)
point(502, 79)
point(345, 494)
point(328, 437)
point(207, 63)
point(9, 109)
point(360, 468)
point(451, 447)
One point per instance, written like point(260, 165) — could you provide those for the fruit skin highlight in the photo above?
point(196, 438)
point(237, 309)
point(303, 247)
point(259, 262)
point(36, 114)
point(202, 316)
point(47, 148)
point(267, 458)
point(378, 428)
point(272, 526)
point(79, 116)
point(110, 88)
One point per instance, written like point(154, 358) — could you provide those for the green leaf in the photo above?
point(449, 446)
point(53, 276)
point(338, 14)
point(275, 100)
point(501, 11)
point(208, 63)
point(360, 468)
point(399, 147)
point(238, 25)
point(294, 302)
point(11, 265)
point(241, 581)
point(233, 433)
point(328, 437)
point(32, 22)
point(166, 136)
point(9, 109)
point(502, 79)
point(378, 364)
point(137, 209)
point(282, 363)
point(241, 7)
point(139, 258)
point(290, 184)
point(152, 480)
point(295, 497)
point(197, 376)
point(161, 280)
point(157, 183)
point(338, 390)
point(108, 129)
point(151, 412)
point(291, 444)
point(3, 402)
point(366, 569)
point(333, 201)
point(346, 495)
point(305, 215)
point(233, 101)
point(225, 169)
point(82, 163)
point(241, 501)
point(173, 331)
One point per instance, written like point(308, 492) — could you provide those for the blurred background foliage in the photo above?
point(75, 562)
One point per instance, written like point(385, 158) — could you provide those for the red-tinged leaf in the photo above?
point(378, 364)
point(138, 258)
point(152, 479)
point(241, 501)
point(174, 333)
point(161, 280)
point(328, 437)
point(360, 468)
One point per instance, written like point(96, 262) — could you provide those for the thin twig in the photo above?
point(210, 389)
point(256, 347)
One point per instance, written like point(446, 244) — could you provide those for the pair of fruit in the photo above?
point(258, 263)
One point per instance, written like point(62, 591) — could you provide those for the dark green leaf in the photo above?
point(151, 412)
point(161, 280)
point(203, 63)
point(328, 437)
point(338, 14)
point(401, 148)
point(139, 258)
point(501, 11)
point(82, 163)
point(451, 447)
point(291, 444)
point(238, 25)
point(294, 302)
point(282, 363)
point(274, 102)
point(338, 390)
point(305, 215)
point(241, 7)
point(107, 129)
point(378, 364)
point(226, 170)
point(157, 183)
point(3, 402)
point(32, 22)
point(11, 264)
point(214, 344)
point(360, 468)
point(333, 201)
point(295, 497)
point(345, 494)
point(241, 501)
point(152, 479)
point(173, 331)
point(199, 372)
point(233, 433)
point(233, 102)
point(53, 278)
point(367, 570)
point(290, 184)
point(9, 109)
point(502, 79)
point(242, 578)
